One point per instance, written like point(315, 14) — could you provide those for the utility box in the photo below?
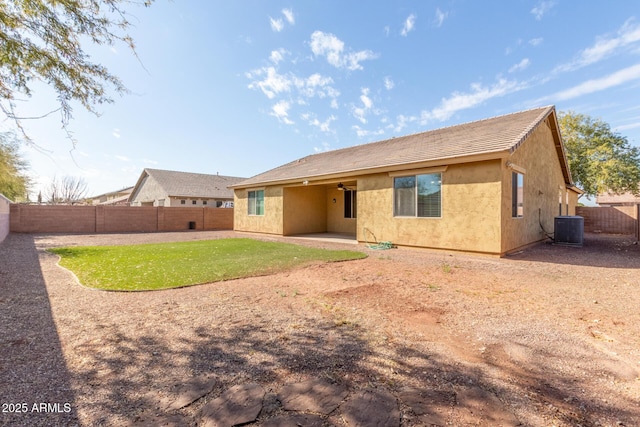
point(568, 230)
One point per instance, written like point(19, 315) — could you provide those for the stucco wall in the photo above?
point(149, 191)
point(4, 217)
point(304, 210)
point(543, 180)
point(270, 222)
point(470, 218)
point(336, 222)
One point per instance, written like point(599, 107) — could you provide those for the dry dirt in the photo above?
point(551, 335)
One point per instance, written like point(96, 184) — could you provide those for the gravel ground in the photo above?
point(552, 332)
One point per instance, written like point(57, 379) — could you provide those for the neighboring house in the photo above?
point(490, 186)
point(120, 197)
point(613, 200)
point(157, 187)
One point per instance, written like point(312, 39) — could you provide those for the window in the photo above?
point(218, 203)
point(256, 202)
point(204, 202)
point(560, 194)
point(182, 202)
point(350, 203)
point(419, 195)
point(517, 195)
point(193, 202)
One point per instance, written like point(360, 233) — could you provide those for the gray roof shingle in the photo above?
point(188, 184)
point(493, 135)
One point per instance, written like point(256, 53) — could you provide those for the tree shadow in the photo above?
point(35, 384)
point(598, 250)
point(129, 372)
point(132, 392)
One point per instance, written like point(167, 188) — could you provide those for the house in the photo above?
point(119, 197)
point(614, 200)
point(157, 187)
point(489, 186)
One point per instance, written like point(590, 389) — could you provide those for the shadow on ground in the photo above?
point(424, 387)
point(35, 385)
point(598, 250)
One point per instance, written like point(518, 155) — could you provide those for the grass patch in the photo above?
point(171, 265)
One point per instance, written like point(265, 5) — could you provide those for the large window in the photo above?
point(418, 195)
point(256, 202)
point(350, 203)
point(517, 195)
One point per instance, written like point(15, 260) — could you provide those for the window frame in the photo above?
point(517, 203)
point(350, 203)
point(416, 203)
point(257, 208)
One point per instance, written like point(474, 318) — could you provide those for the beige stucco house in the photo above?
point(157, 187)
point(490, 186)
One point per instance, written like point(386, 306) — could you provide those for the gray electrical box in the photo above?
point(568, 230)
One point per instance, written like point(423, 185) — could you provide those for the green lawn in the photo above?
point(171, 265)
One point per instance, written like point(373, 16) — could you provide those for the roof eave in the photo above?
point(494, 155)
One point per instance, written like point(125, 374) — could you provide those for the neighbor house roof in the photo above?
point(489, 138)
point(190, 185)
point(617, 199)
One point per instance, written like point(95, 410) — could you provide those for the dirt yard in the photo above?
point(547, 337)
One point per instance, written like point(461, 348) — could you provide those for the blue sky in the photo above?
point(240, 87)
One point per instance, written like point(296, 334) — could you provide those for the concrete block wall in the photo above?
point(613, 220)
point(114, 219)
point(122, 219)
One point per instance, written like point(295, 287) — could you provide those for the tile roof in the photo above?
point(617, 199)
point(187, 184)
point(495, 135)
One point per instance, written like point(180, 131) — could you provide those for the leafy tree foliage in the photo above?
point(41, 40)
point(14, 181)
point(600, 160)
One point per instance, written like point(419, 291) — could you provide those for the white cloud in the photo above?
point(388, 83)
point(280, 110)
point(440, 17)
point(288, 14)
point(386, 30)
point(149, 162)
point(361, 113)
point(272, 84)
point(520, 65)
point(278, 55)
point(123, 158)
point(331, 47)
point(276, 24)
point(627, 36)
point(542, 8)
point(615, 79)
point(323, 126)
point(402, 121)
point(116, 133)
point(409, 24)
point(325, 147)
point(536, 42)
point(462, 101)
point(363, 132)
point(629, 126)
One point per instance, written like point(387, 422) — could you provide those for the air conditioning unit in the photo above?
point(568, 230)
